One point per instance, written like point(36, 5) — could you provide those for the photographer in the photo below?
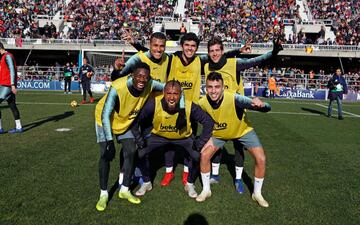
point(337, 87)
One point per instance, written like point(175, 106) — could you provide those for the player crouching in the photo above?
point(171, 125)
point(226, 109)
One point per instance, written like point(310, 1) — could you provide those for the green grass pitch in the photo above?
point(51, 177)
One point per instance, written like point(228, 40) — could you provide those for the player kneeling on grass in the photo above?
point(226, 109)
point(115, 113)
point(171, 127)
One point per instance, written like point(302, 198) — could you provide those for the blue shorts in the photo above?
point(100, 134)
point(249, 140)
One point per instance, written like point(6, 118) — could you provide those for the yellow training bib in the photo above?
point(164, 123)
point(129, 108)
point(227, 124)
point(157, 70)
point(189, 77)
point(228, 73)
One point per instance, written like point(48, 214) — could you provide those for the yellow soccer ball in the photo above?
point(74, 103)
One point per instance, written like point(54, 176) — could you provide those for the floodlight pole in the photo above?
point(28, 55)
point(342, 67)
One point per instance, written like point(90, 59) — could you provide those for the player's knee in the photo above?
point(260, 160)
point(205, 156)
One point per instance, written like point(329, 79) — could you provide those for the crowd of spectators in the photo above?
point(345, 17)
point(239, 20)
point(109, 19)
point(17, 18)
point(236, 21)
point(233, 20)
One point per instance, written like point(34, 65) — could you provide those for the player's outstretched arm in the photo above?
point(242, 63)
point(139, 47)
point(245, 49)
point(127, 69)
point(110, 101)
point(254, 104)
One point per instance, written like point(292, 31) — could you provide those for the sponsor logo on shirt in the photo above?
point(168, 128)
point(220, 126)
point(134, 113)
point(186, 85)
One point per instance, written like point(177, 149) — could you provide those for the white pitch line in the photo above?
point(50, 103)
point(295, 113)
point(324, 106)
point(309, 103)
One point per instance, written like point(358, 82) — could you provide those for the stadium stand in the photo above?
point(236, 21)
point(345, 16)
point(18, 18)
point(96, 26)
point(96, 19)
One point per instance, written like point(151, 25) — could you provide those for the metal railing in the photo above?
point(50, 73)
point(296, 80)
point(67, 42)
point(30, 41)
point(161, 19)
point(293, 80)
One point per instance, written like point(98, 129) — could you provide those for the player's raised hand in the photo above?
point(128, 37)
point(247, 47)
point(120, 62)
point(257, 103)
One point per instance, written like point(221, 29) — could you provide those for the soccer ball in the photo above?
point(73, 103)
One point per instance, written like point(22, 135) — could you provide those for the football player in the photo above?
point(114, 114)
point(86, 72)
point(226, 109)
point(165, 113)
point(8, 78)
point(230, 69)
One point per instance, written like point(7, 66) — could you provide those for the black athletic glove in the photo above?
point(140, 142)
point(109, 153)
point(266, 108)
point(277, 47)
point(181, 120)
